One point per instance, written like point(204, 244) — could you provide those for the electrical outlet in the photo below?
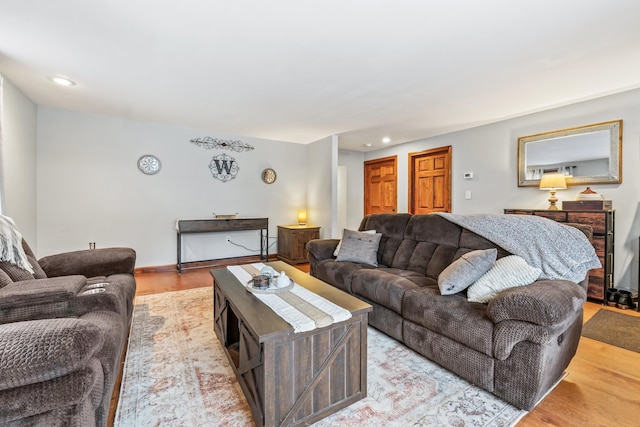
point(228, 239)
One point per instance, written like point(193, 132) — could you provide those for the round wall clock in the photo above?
point(149, 164)
point(269, 176)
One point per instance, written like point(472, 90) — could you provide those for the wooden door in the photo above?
point(381, 185)
point(430, 181)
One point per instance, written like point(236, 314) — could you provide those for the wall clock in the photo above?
point(149, 164)
point(269, 176)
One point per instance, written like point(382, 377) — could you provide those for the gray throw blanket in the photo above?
point(560, 251)
point(11, 249)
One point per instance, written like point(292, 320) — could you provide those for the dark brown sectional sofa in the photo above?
point(63, 330)
point(517, 346)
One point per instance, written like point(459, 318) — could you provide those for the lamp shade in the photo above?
point(553, 181)
point(302, 217)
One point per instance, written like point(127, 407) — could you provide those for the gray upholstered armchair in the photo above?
point(63, 329)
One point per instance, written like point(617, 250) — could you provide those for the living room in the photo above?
point(70, 177)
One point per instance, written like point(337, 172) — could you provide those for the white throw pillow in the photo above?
point(507, 272)
point(335, 253)
point(461, 273)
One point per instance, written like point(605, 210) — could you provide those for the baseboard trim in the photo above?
point(213, 263)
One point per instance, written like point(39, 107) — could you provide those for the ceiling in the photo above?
point(300, 71)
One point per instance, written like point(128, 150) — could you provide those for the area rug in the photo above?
point(176, 374)
point(614, 328)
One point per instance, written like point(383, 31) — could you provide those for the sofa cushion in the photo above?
point(392, 227)
point(507, 272)
point(359, 247)
point(16, 273)
point(338, 274)
point(40, 350)
point(38, 272)
point(450, 315)
point(387, 286)
point(461, 273)
point(54, 402)
point(4, 279)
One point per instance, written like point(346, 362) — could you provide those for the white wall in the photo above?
point(353, 162)
point(490, 152)
point(90, 190)
point(322, 185)
point(19, 117)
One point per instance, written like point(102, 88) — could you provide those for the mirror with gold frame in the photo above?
point(589, 154)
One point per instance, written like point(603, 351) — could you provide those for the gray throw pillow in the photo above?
point(359, 247)
point(461, 273)
point(335, 253)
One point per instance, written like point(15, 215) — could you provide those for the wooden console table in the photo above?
point(213, 225)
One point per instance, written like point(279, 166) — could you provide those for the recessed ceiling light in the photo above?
point(62, 81)
point(368, 145)
point(386, 140)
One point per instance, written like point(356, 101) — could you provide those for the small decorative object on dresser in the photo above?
point(292, 242)
point(602, 222)
point(588, 200)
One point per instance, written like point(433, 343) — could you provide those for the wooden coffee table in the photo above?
point(289, 378)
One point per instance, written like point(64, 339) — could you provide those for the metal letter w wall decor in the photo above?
point(223, 167)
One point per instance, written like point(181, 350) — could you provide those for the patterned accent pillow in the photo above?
point(335, 253)
point(507, 272)
point(461, 273)
point(359, 247)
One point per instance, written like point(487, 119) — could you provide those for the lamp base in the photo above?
point(552, 201)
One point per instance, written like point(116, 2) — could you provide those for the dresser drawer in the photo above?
point(554, 215)
point(595, 219)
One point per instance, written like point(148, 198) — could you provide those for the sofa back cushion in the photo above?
point(392, 227)
point(17, 274)
point(427, 244)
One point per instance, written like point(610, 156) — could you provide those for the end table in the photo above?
point(292, 242)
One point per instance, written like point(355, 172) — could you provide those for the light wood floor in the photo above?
point(602, 388)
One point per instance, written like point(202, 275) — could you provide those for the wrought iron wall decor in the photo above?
point(223, 167)
point(225, 144)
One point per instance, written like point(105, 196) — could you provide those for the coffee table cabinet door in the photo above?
point(251, 370)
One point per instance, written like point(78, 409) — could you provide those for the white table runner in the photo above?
point(313, 312)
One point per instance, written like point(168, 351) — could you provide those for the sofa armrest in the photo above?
point(90, 262)
point(40, 350)
point(40, 291)
point(544, 302)
point(322, 248)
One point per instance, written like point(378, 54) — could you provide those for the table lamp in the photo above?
point(553, 182)
point(302, 217)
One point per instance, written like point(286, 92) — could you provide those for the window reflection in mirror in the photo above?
point(586, 155)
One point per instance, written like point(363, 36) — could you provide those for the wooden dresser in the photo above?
point(292, 242)
point(603, 224)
